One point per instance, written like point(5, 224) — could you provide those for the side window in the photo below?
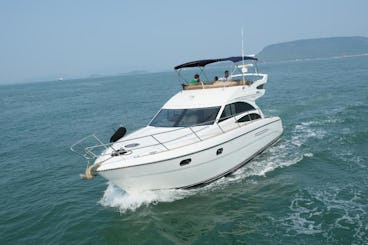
point(249, 117)
point(243, 107)
point(229, 110)
point(254, 116)
point(236, 108)
point(245, 118)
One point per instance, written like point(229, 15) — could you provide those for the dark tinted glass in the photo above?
point(243, 107)
point(227, 113)
point(235, 108)
point(254, 116)
point(185, 117)
point(245, 118)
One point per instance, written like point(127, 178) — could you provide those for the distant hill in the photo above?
point(315, 48)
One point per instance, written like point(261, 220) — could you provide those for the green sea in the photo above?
point(309, 188)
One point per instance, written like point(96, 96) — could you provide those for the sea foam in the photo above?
point(117, 198)
point(335, 208)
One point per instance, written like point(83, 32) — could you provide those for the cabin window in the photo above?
point(254, 116)
point(249, 117)
point(229, 110)
point(245, 118)
point(233, 109)
point(241, 107)
point(185, 117)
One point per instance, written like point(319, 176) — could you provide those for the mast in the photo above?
point(242, 35)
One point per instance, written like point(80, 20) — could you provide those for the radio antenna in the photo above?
point(242, 35)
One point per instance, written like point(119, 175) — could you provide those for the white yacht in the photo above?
point(204, 132)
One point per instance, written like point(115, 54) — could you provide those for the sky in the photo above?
point(47, 39)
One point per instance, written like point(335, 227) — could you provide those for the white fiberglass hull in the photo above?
point(202, 163)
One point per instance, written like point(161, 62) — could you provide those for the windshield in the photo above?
point(185, 117)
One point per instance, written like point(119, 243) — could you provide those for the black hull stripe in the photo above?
point(183, 156)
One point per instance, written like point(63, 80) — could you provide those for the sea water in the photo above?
point(310, 188)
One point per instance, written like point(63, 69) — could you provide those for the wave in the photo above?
point(331, 211)
point(115, 197)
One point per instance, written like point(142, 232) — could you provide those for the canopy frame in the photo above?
point(202, 63)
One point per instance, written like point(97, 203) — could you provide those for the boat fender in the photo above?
point(118, 134)
point(90, 172)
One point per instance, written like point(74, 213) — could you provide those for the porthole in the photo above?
point(219, 151)
point(185, 162)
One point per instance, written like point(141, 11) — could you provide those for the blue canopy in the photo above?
point(202, 63)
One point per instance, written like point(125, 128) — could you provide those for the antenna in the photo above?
point(242, 35)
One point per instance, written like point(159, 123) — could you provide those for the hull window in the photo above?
point(219, 151)
point(185, 162)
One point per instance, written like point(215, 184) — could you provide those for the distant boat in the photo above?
point(61, 79)
point(206, 131)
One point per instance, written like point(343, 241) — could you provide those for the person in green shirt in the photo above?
point(195, 79)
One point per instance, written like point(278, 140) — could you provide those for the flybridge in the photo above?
point(243, 74)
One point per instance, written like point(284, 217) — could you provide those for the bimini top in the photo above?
point(202, 63)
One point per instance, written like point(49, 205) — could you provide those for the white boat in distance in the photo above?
point(204, 132)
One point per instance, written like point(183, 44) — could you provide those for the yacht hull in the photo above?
point(203, 163)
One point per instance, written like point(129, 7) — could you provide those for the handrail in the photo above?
point(88, 152)
point(244, 81)
point(159, 142)
point(195, 133)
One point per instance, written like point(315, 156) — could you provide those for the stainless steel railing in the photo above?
point(91, 147)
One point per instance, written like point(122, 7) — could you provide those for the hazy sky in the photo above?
point(46, 39)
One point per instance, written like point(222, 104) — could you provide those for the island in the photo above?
point(315, 48)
